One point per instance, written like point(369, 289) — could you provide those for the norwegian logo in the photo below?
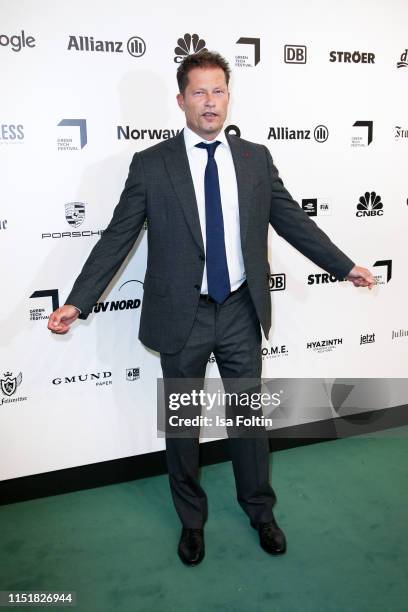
point(190, 43)
point(75, 213)
point(369, 205)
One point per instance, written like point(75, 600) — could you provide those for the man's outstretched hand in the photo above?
point(361, 277)
point(61, 319)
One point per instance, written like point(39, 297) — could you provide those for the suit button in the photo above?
point(197, 287)
point(201, 257)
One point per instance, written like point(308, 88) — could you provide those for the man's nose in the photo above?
point(210, 100)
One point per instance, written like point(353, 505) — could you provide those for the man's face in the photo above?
point(205, 101)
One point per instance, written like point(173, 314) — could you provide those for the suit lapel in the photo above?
point(244, 181)
point(176, 161)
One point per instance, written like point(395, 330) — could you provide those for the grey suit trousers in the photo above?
point(231, 332)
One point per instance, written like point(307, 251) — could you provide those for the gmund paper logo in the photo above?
point(135, 46)
point(190, 43)
point(127, 133)
point(101, 378)
point(369, 205)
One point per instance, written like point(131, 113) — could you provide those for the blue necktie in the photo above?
point(216, 259)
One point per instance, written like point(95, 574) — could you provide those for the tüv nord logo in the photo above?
point(369, 205)
point(190, 43)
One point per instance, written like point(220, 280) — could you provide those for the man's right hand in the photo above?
point(61, 319)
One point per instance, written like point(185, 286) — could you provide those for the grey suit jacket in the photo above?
point(159, 187)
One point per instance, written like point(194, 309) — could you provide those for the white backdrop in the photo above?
point(53, 413)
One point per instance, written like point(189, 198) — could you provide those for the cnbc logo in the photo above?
point(190, 43)
point(370, 205)
point(72, 135)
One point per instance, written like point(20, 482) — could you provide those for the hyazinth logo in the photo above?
point(190, 43)
point(369, 205)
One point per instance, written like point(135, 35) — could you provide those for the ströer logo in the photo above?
point(190, 43)
point(369, 205)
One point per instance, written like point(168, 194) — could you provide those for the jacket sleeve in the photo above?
point(115, 243)
point(292, 223)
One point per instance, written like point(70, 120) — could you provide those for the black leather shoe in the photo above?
point(191, 546)
point(271, 537)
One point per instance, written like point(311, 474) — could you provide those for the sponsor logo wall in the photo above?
point(104, 90)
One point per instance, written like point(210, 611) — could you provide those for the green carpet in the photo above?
point(342, 504)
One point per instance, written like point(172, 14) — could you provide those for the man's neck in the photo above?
point(206, 137)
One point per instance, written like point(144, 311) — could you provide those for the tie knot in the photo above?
point(210, 147)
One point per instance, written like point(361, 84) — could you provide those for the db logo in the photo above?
point(277, 282)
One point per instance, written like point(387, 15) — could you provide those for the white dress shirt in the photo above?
point(197, 159)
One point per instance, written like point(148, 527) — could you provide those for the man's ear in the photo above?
point(180, 100)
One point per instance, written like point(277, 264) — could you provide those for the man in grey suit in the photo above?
point(208, 198)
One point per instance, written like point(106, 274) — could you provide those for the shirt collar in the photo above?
point(191, 138)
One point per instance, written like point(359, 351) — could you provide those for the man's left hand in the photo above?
point(361, 277)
